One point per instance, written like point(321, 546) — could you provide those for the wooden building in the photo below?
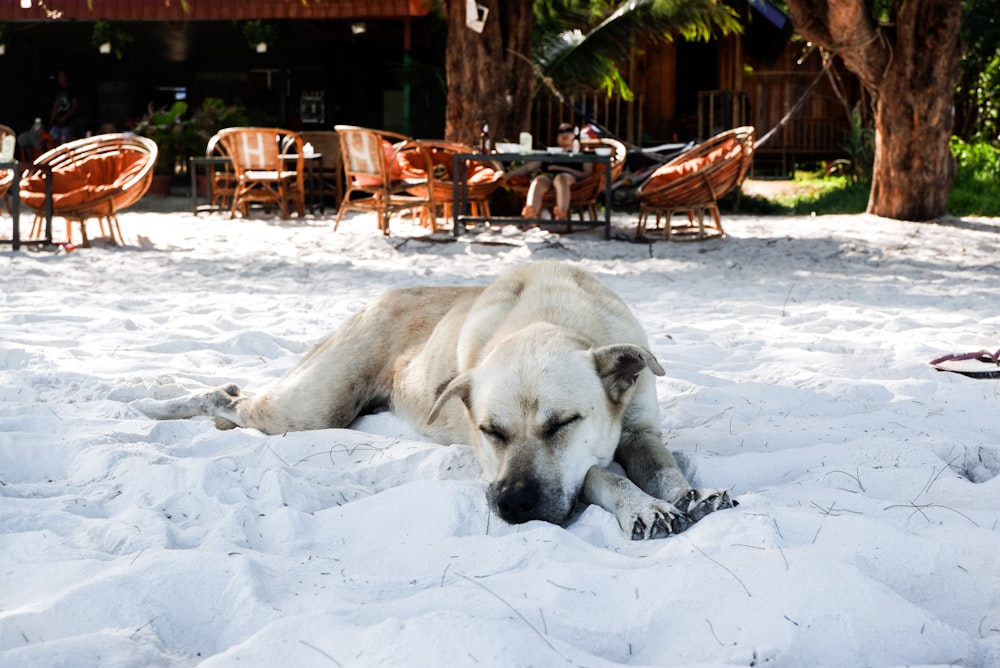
point(349, 61)
point(379, 63)
point(688, 91)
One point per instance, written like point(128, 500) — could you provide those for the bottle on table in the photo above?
point(484, 139)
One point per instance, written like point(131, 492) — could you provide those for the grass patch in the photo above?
point(811, 194)
point(974, 193)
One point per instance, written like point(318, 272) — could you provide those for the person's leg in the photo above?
point(563, 182)
point(536, 191)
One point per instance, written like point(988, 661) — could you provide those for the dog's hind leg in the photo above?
point(219, 403)
point(350, 373)
point(338, 380)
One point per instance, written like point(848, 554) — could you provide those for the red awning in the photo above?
point(215, 10)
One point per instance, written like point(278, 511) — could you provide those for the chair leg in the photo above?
point(340, 214)
point(115, 229)
point(714, 208)
point(236, 202)
point(84, 241)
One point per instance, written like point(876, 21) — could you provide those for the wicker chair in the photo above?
point(95, 177)
point(262, 175)
point(483, 177)
point(695, 181)
point(222, 178)
point(6, 175)
point(584, 193)
point(374, 176)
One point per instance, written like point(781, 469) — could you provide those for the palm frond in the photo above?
point(573, 58)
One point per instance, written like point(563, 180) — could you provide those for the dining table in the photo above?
point(460, 169)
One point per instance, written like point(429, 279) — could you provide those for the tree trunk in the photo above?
point(911, 66)
point(489, 78)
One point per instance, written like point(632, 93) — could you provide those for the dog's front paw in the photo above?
point(658, 520)
point(697, 503)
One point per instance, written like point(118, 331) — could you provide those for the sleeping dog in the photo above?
point(545, 372)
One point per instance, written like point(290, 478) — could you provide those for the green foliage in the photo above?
point(178, 137)
point(582, 45)
point(975, 189)
point(104, 33)
point(164, 126)
point(860, 146)
point(260, 32)
point(979, 91)
point(985, 96)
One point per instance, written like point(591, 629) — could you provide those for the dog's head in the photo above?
point(544, 408)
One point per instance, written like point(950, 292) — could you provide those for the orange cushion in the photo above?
point(83, 181)
point(673, 171)
point(483, 174)
point(395, 168)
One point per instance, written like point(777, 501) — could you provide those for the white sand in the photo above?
point(796, 353)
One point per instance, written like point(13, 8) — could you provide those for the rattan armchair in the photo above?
point(95, 177)
point(482, 178)
point(262, 173)
point(693, 182)
point(584, 193)
point(374, 175)
point(222, 177)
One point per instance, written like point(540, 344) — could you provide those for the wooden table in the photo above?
point(460, 171)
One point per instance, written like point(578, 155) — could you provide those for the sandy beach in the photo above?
point(796, 354)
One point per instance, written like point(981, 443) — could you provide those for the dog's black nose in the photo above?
point(516, 503)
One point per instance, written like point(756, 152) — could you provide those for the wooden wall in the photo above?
point(688, 92)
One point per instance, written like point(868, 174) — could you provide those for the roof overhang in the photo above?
point(210, 10)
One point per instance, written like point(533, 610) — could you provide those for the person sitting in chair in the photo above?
point(553, 175)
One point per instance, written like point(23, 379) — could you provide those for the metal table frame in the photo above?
point(460, 171)
point(15, 206)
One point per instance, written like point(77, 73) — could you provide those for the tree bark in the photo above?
point(911, 65)
point(489, 79)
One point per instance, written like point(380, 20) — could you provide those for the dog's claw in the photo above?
point(707, 501)
point(658, 522)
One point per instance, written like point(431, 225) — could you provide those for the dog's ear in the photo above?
point(619, 366)
point(460, 386)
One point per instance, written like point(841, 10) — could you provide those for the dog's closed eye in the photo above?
point(493, 433)
point(556, 424)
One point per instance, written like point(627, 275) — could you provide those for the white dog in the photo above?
point(545, 372)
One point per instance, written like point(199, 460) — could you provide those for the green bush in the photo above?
point(976, 191)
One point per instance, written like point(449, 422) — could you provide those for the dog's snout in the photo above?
point(517, 502)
